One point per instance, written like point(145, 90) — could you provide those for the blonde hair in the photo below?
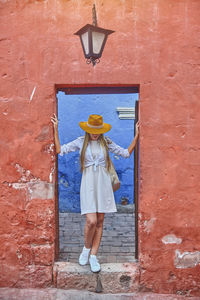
point(104, 145)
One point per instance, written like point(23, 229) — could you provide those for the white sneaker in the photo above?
point(94, 264)
point(83, 258)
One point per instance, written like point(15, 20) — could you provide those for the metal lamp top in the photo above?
point(93, 28)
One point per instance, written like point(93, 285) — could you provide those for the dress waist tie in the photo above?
point(95, 163)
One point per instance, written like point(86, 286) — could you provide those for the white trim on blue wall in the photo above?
point(126, 113)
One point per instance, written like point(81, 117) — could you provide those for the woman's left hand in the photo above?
point(137, 127)
point(134, 142)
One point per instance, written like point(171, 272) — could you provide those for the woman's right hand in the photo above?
point(54, 120)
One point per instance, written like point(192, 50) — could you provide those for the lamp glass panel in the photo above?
point(84, 38)
point(97, 41)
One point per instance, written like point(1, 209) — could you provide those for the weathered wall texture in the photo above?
point(156, 45)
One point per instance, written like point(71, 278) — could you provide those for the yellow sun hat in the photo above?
point(95, 125)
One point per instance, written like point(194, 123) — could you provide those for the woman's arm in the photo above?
point(54, 120)
point(134, 142)
point(116, 149)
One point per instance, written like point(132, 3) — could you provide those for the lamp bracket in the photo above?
point(94, 16)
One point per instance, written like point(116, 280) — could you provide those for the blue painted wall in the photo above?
point(75, 108)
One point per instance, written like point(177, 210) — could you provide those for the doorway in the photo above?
point(117, 105)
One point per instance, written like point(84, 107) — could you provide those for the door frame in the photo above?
point(98, 89)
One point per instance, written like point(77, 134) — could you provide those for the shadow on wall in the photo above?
point(75, 108)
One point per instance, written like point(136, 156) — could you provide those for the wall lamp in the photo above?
point(93, 40)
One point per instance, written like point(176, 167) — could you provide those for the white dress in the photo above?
point(96, 193)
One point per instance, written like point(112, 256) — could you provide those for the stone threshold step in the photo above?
point(113, 277)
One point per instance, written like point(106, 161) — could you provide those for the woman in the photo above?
point(96, 193)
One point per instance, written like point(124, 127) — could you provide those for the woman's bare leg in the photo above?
point(90, 226)
point(97, 234)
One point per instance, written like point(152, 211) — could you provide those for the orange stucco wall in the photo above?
point(156, 46)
